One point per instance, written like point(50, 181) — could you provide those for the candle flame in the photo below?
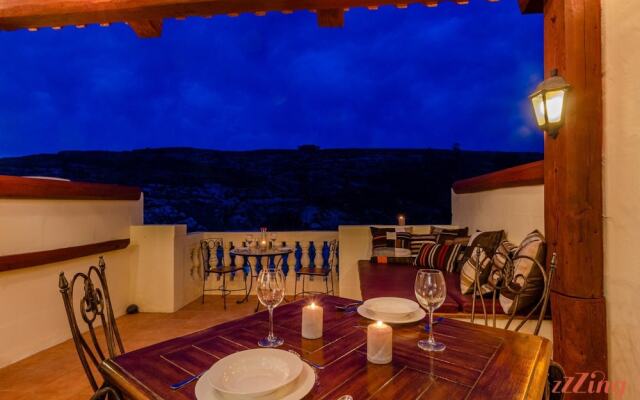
point(313, 305)
point(379, 323)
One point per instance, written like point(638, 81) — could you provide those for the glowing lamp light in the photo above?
point(548, 103)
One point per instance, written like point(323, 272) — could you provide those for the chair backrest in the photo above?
point(333, 253)
point(506, 280)
point(210, 251)
point(94, 305)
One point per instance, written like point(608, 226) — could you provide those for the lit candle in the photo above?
point(401, 220)
point(379, 343)
point(263, 244)
point(312, 321)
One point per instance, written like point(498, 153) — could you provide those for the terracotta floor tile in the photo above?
point(41, 376)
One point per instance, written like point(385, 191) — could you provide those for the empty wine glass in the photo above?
point(270, 289)
point(431, 292)
point(272, 239)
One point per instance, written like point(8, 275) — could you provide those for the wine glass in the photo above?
point(270, 289)
point(272, 239)
point(431, 292)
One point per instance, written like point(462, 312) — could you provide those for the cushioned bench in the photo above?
point(397, 280)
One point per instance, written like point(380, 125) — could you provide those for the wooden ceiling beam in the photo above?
point(531, 6)
point(18, 14)
point(333, 18)
point(147, 28)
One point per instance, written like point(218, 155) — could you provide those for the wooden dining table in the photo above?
point(479, 362)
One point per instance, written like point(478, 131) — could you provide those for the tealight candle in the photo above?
point(263, 244)
point(379, 343)
point(312, 321)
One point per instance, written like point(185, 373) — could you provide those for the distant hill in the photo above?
point(309, 188)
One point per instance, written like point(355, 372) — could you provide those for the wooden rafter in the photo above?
point(531, 6)
point(145, 16)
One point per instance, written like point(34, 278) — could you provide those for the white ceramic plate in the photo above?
point(391, 307)
point(296, 390)
point(407, 319)
point(254, 373)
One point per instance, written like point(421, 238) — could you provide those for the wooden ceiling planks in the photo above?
point(145, 16)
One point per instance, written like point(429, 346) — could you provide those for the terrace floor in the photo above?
point(56, 373)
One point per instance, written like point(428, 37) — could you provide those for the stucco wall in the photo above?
point(621, 68)
point(32, 316)
point(517, 210)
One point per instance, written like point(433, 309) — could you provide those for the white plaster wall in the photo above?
point(35, 225)
point(517, 210)
point(32, 316)
point(355, 245)
point(621, 68)
point(158, 283)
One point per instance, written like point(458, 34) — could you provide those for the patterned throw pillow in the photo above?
point(444, 234)
point(532, 246)
point(477, 261)
point(438, 256)
point(489, 240)
point(417, 240)
point(403, 240)
point(504, 252)
point(379, 237)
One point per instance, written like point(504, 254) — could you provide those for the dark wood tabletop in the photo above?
point(478, 363)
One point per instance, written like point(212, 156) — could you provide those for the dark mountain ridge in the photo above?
point(308, 188)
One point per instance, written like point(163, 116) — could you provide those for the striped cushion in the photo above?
point(532, 246)
point(504, 252)
point(403, 240)
point(379, 237)
point(418, 240)
point(477, 265)
point(438, 256)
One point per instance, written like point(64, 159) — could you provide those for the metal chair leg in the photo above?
point(326, 284)
point(333, 292)
point(224, 291)
point(204, 285)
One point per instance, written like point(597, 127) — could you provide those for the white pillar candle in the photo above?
point(379, 343)
point(401, 220)
point(312, 321)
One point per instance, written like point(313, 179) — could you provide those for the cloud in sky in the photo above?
point(392, 78)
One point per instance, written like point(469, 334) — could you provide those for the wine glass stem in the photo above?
point(270, 323)
point(431, 339)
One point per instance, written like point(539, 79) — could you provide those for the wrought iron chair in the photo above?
point(506, 279)
point(212, 251)
point(95, 307)
point(325, 271)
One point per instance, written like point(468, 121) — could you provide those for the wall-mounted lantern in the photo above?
point(548, 103)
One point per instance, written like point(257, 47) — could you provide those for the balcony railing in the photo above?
point(310, 249)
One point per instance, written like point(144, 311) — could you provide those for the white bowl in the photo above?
point(391, 307)
point(254, 373)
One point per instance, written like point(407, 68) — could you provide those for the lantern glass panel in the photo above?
point(555, 102)
point(538, 107)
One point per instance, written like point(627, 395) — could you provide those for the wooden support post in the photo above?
point(333, 18)
point(573, 187)
point(148, 28)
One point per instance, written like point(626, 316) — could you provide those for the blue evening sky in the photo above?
point(412, 78)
